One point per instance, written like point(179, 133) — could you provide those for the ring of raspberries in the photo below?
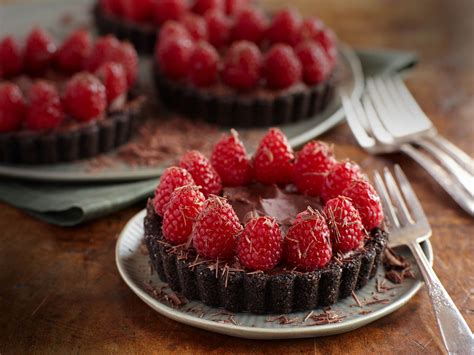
point(194, 213)
point(77, 79)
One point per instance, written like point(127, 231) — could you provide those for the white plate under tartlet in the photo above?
point(132, 263)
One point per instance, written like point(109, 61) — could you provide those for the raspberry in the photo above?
point(340, 176)
point(114, 78)
point(230, 160)
point(172, 178)
point(44, 111)
point(345, 224)
point(74, 51)
point(173, 54)
point(202, 172)
point(273, 161)
point(138, 10)
point(203, 65)
point(216, 229)
point(85, 97)
point(233, 7)
point(281, 67)
point(196, 26)
point(307, 243)
point(327, 38)
point(309, 29)
point(11, 58)
point(185, 204)
point(112, 7)
point(39, 52)
point(166, 10)
point(312, 165)
point(12, 107)
point(242, 66)
point(285, 27)
point(103, 50)
point(366, 200)
point(260, 244)
point(218, 28)
point(250, 25)
point(170, 29)
point(128, 57)
point(316, 66)
point(202, 6)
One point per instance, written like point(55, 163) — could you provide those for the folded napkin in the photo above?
point(72, 204)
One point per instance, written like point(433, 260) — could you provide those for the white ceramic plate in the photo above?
point(60, 17)
point(132, 263)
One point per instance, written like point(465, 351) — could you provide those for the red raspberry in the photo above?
point(345, 224)
point(230, 160)
point(112, 7)
point(203, 173)
point(11, 58)
point(216, 229)
point(45, 110)
point(203, 65)
point(74, 51)
point(85, 97)
point(128, 57)
point(233, 7)
point(309, 29)
point(260, 244)
point(39, 52)
point(12, 107)
point(170, 29)
point(103, 51)
point(307, 243)
point(166, 10)
point(250, 25)
point(281, 67)
point(341, 175)
point(138, 10)
point(242, 66)
point(114, 78)
point(173, 54)
point(312, 165)
point(366, 200)
point(316, 66)
point(202, 6)
point(327, 38)
point(273, 160)
point(196, 26)
point(172, 178)
point(285, 27)
point(185, 204)
point(218, 28)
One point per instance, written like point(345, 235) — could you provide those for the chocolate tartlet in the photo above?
point(281, 290)
point(259, 108)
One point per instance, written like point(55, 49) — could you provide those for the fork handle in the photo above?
point(455, 332)
point(456, 153)
point(458, 194)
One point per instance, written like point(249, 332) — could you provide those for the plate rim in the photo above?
point(255, 332)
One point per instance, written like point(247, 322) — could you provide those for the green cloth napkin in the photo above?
point(73, 204)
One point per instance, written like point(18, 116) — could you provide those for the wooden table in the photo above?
point(60, 290)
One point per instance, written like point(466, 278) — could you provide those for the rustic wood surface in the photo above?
point(60, 290)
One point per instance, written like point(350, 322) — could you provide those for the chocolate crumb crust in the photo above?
point(73, 143)
point(142, 36)
point(234, 110)
point(230, 287)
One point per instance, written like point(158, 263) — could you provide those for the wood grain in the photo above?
point(60, 291)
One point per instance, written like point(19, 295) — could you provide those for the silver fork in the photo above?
point(409, 226)
point(368, 128)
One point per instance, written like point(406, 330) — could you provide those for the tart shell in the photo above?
point(281, 292)
point(234, 110)
point(65, 145)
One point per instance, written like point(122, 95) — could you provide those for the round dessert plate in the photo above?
point(60, 17)
point(377, 299)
